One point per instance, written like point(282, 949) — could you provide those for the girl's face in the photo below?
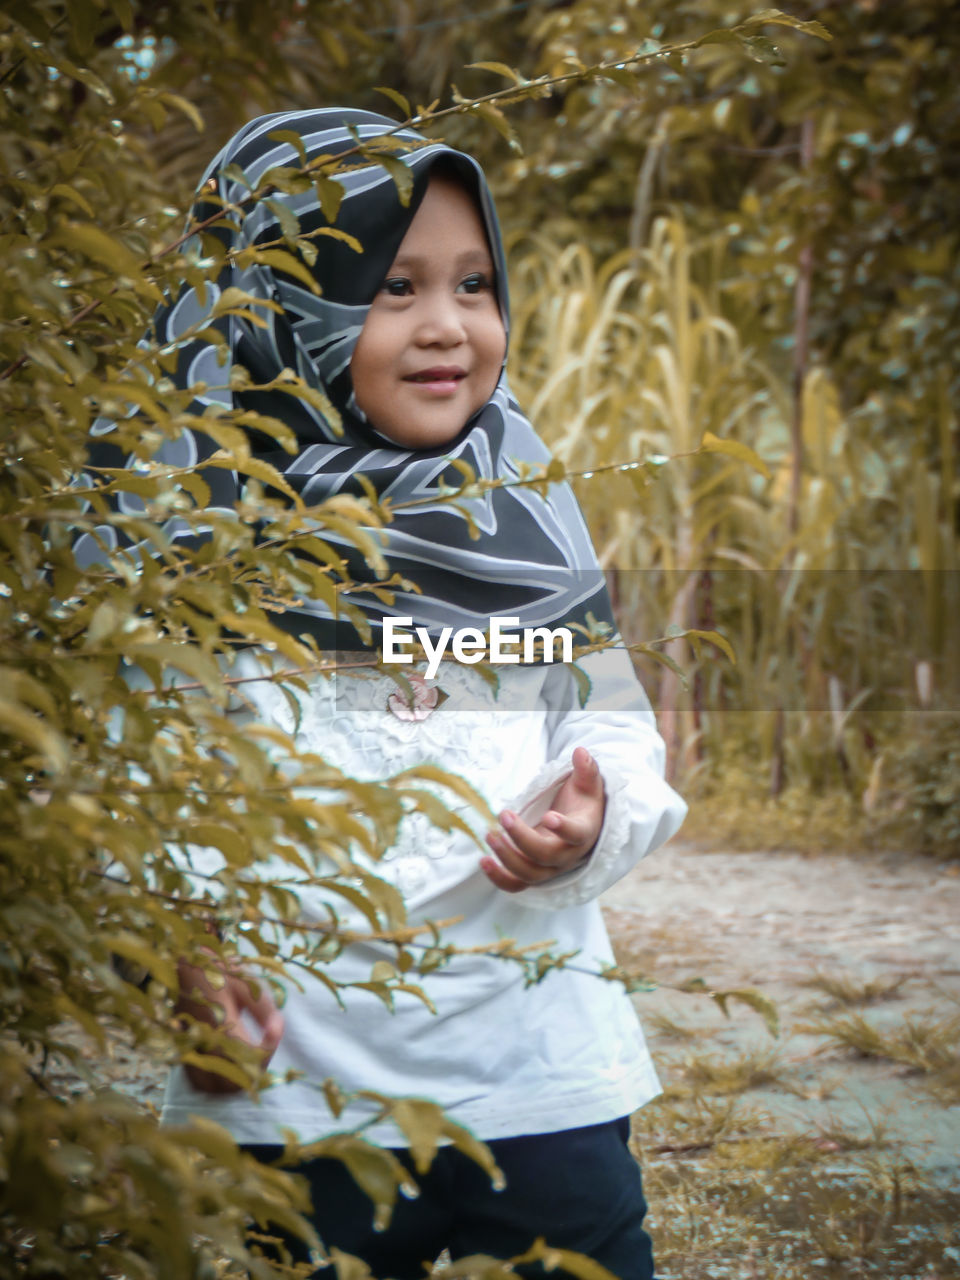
point(433, 342)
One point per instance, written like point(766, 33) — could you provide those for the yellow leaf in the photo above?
point(185, 106)
point(259, 470)
point(575, 1264)
point(73, 195)
point(17, 722)
point(720, 640)
point(431, 773)
point(395, 97)
point(133, 948)
point(188, 658)
point(110, 253)
point(279, 260)
point(219, 1067)
point(499, 68)
point(734, 449)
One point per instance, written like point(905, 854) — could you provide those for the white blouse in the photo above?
point(501, 1058)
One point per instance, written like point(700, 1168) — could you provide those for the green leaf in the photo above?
point(83, 74)
point(664, 659)
point(124, 13)
point(232, 300)
point(476, 1150)
point(218, 836)
point(356, 898)
point(582, 681)
point(286, 178)
point(334, 46)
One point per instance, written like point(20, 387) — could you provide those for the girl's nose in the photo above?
point(440, 323)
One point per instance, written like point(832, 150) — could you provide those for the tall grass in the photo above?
point(842, 628)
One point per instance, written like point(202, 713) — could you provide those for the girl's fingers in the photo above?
point(542, 848)
point(586, 771)
point(519, 865)
point(224, 1007)
point(210, 1081)
point(499, 876)
point(572, 829)
point(272, 1035)
point(528, 848)
point(561, 840)
point(253, 996)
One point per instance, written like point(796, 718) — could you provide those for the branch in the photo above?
point(543, 86)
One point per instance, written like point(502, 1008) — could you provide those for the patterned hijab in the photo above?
point(533, 558)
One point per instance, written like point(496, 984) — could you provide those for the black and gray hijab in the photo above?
point(533, 558)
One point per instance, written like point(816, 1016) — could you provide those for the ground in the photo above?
point(830, 1150)
point(833, 1149)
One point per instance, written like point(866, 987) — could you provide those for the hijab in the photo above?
point(522, 553)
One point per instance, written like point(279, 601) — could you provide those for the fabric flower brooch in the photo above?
point(422, 700)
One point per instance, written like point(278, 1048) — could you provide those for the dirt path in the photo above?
point(857, 953)
point(787, 1158)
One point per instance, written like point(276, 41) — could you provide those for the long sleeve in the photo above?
point(617, 726)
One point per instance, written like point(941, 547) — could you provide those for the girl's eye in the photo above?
point(476, 283)
point(397, 287)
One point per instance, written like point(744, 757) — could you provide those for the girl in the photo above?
point(408, 340)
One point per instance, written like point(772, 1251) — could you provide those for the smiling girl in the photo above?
point(409, 341)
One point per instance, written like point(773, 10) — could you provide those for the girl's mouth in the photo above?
point(441, 380)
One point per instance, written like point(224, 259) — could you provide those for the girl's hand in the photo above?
point(223, 1007)
point(563, 838)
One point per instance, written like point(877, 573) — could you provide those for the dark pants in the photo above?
point(579, 1189)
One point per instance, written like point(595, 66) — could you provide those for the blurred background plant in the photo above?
point(755, 239)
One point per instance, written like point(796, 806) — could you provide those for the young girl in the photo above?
point(408, 340)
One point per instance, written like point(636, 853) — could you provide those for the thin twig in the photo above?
point(542, 86)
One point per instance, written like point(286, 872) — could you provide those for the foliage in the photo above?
point(923, 788)
point(819, 169)
point(831, 626)
point(723, 138)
